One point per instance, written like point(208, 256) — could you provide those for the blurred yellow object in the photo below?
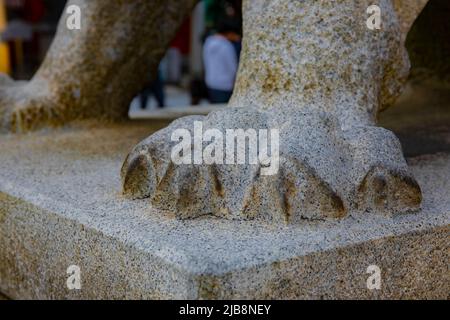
point(4, 51)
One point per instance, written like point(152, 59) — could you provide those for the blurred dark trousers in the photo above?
point(157, 90)
point(219, 96)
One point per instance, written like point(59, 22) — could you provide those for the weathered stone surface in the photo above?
point(315, 72)
point(311, 69)
point(322, 86)
point(93, 73)
point(408, 11)
point(60, 205)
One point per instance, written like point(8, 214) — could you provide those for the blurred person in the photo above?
point(155, 88)
point(221, 59)
point(216, 10)
point(178, 51)
point(198, 91)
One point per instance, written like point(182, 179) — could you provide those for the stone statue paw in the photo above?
point(24, 106)
point(305, 167)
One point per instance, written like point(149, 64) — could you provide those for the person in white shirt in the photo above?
point(221, 64)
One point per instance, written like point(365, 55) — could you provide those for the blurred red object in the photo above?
point(182, 40)
point(34, 10)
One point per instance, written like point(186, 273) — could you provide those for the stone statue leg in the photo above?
point(94, 72)
point(314, 71)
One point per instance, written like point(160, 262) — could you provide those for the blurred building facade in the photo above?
point(28, 27)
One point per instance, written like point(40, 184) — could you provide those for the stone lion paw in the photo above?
point(305, 168)
point(24, 105)
point(384, 181)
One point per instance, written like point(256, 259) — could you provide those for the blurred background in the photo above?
point(198, 69)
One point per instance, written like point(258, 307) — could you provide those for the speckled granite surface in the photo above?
point(60, 205)
point(315, 73)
